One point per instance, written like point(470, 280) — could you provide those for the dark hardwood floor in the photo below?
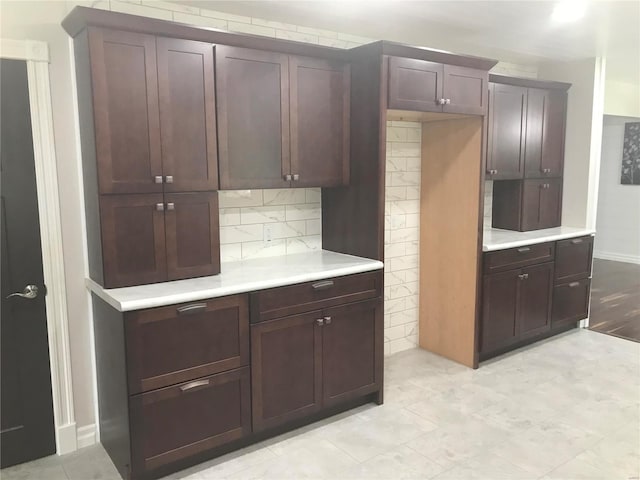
point(615, 299)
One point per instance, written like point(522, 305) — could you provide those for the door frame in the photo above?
point(36, 55)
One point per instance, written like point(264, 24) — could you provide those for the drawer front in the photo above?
point(570, 302)
point(573, 259)
point(176, 422)
point(175, 344)
point(502, 260)
point(303, 297)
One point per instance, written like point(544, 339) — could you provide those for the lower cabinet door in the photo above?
point(193, 238)
point(499, 310)
point(176, 422)
point(570, 302)
point(536, 283)
point(352, 350)
point(286, 369)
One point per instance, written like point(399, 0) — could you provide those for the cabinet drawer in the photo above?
point(573, 259)
point(302, 297)
point(570, 302)
point(177, 422)
point(518, 257)
point(175, 344)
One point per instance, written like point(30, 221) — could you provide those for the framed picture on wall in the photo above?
point(631, 154)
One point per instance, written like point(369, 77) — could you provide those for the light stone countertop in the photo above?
point(496, 239)
point(237, 277)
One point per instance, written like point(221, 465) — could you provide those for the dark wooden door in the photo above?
point(252, 89)
point(415, 85)
point(125, 109)
point(352, 343)
point(537, 104)
point(192, 234)
point(554, 133)
point(319, 101)
point(187, 115)
point(27, 430)
point(133, 239)
point(465, 90)
point(499, 310)
point(534, 306)
point(573, 259)
point(174, 344)
point(180, 421)
point(570, 302)
point(505, 142)
point(286, 369)
point(541, 203)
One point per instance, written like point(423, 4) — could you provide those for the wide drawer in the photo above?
point(176, 422)
point(570, 302)
point(302, 297)
point(502, 260)
point(573, 259)
point(169, 345)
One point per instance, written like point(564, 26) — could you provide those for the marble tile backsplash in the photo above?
point(488, 202)
point(402, 235)
point(291, 218)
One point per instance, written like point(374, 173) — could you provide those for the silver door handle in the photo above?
point(327, 320)
point(30, 292)
point(196, 384)
point(171, 206)
point(296, 177)
point(287, 177)
point(157, 179)
point(441, 101)
point(447, 101)
point(168, 179)
point(320, 321)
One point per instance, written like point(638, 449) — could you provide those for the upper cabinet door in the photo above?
point(505, 146)
point(537, 103)
point(187, 115)
point(465, 90)
point(253, 118)
point(415, 85)
point(554, 133)
point(193, 238)
point(125, 106)
point(319, 96)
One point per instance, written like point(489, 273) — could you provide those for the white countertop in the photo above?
point(237, 277)
point(496, 239)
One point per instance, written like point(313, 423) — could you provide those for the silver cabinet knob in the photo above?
point(523, 276)
point(296, 177)
point(168, 179)
point(287, 177)
point(171, 206)
point(157, 179)
point(447, 101)
point(327, 320)
point(160, 207)
point(320, 321)
point(30, 292)
point(441, 101)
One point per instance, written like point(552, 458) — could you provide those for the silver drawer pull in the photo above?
point(322, 285)
point(524, 249)
point(193, 308)
point(196, 384)
point(574, 284)
point(576, 241)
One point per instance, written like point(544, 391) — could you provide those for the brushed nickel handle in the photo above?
point(327, 320)
point(196, 384)
point(441, 101)
point(160, 207)
point(320, 321)
point(574, 284)
point(168, 179)
point(30, 292)
point(287, 177)
point(157, 179)
point(576, 241)
point(193, 308)
point(296, 177)
point(171, 206)
point(523, 276)
point(524, 249)
point(324, 285)
point(447, 101)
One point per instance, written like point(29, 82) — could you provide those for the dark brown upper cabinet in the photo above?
point(154, 113)
point(283, 120)
point(524, 205)
point(187, 115)
point(506, 127)
point(154, 237)
point(424, 86)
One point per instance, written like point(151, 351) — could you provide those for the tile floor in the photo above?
point(566, 408)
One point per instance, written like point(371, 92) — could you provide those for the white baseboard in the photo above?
point(66, 439)
point(617, 257)
point(86, 436)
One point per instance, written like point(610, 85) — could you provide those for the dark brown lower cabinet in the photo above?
point(173, 423)
point(536, 284)
point(570, 302)
point(306, 362)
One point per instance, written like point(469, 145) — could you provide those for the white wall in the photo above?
point(622, 98)
point(618, 222)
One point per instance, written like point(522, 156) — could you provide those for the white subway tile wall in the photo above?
point(402, 235)
point(488, 202)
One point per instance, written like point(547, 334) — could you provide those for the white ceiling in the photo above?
point(517, 31)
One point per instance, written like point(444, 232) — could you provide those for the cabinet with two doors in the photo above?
point(162, 117)
point(532, 291)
